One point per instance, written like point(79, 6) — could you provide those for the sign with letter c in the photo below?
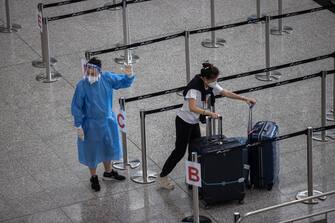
point(121, 120)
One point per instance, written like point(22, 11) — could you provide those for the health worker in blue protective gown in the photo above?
point(96, 124)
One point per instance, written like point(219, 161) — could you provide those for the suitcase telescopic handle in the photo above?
point(220, 125)
point(209, 125)
point(250, 120)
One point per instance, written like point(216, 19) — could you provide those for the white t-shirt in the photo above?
point(191, 117)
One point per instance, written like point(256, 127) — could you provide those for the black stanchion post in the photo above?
point(213, 42)
point(331, 113)
point(269, 75)
point(128, 58)
point(50, 76)
point(187, 56)
point(237, 216)
point(122, 165)
point(41, 63)
point(258, 8)
point(9, 27)
point(310, 191)
point(310, 162)
point(323, 109)
point(187, 59)
point(196, 218)
point(258, 11)
point(195, 194)
point(280, 30)
point(323, 136)
point(144, 176)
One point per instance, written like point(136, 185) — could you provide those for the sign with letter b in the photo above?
point(193, 173)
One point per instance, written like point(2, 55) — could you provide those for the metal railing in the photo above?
point(310, 216)
point(238, 218)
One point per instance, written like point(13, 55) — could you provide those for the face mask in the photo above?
point(212, 84)
point(92, 68)
point(93, 79)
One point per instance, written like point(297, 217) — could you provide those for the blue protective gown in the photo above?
point(92, 110)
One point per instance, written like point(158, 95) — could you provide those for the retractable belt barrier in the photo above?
point(145, 176)
point(103, 8)
point(55, 4)
point(147, 42)
point(260, 20)
point(240, 75)
point(191, 32)
point(248, 90)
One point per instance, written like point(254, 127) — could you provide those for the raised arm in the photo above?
point(118, 81)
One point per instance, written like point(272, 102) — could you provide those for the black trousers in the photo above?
point(185, 132)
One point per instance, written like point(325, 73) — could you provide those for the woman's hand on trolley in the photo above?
point(213, 114)
point(250, 101)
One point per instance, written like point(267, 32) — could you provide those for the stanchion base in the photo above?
point(285, 30)
point(120, 165)
point(331, 116)
point(41, 64)
point(121, 60)
point(138, 177)
point(319, 139)
point(328, 135)
point(112, 9)
point(13, 28)
point(331, 134)
point(54, 77)
point(203, 219)
point(132, 164)
point(304, 194)
point(252, 17)
point(268, 77)
point(209, 44)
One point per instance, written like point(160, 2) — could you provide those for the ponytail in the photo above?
point(209, 71)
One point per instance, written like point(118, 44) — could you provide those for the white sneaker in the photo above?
point(165, 183)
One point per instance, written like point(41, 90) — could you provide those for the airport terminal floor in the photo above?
point(41, 178)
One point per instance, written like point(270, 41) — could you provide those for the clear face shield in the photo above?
point(91, 72)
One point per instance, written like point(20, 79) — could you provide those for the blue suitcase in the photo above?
point(223, 166)
point(222, 172)
point(263, 158)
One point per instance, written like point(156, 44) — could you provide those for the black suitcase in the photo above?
point(223, 170)
point(263, 158)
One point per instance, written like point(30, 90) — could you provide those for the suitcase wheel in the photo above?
point(269, 187)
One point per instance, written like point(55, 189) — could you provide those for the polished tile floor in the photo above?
point(40, 177)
